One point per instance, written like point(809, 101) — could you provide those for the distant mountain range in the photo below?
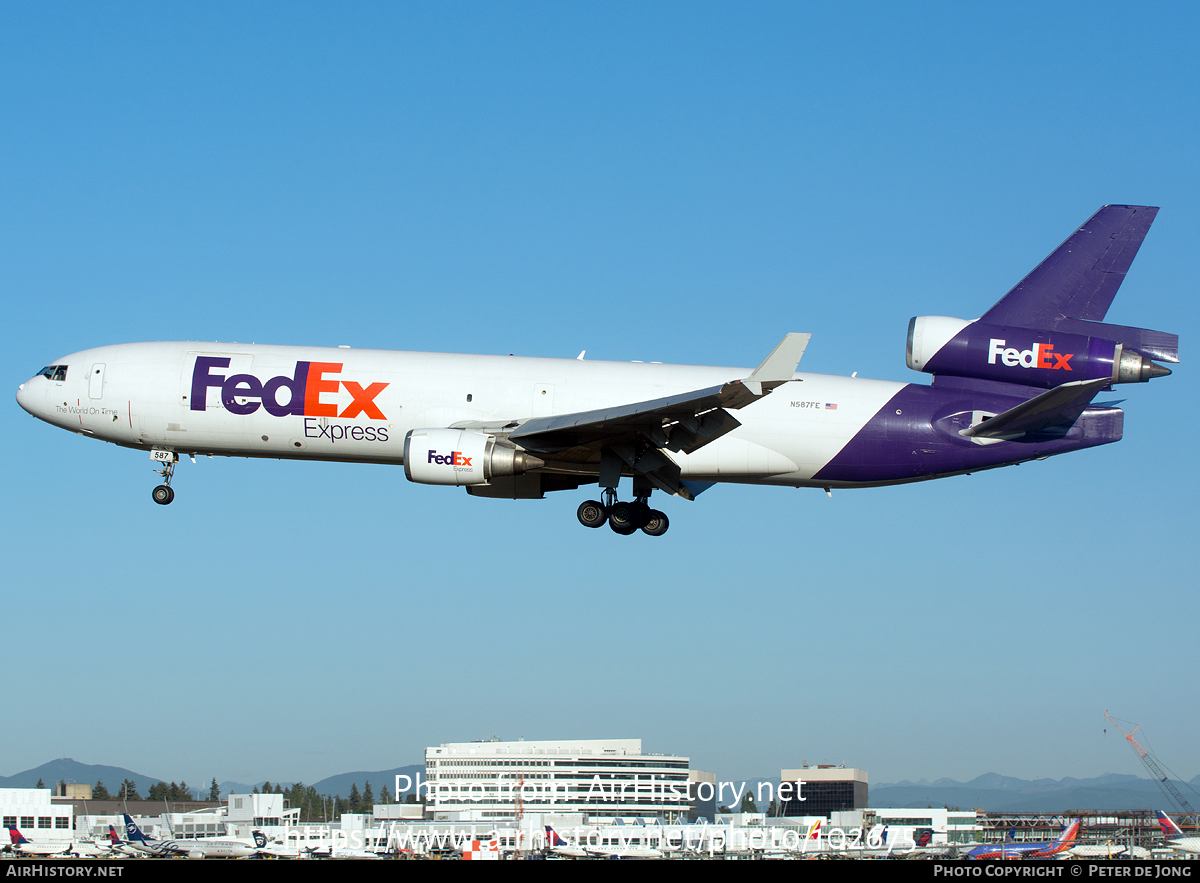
point(991, 791)
point(73, 772)
point(997, 793)
point(339, 785)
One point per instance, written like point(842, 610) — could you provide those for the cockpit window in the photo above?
point(54, 372)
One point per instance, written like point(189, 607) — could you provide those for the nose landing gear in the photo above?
point(164, 493)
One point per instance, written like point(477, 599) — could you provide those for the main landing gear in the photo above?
point(164, 493)
point(623, 518)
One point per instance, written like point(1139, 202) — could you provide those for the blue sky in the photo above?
point(672, 182)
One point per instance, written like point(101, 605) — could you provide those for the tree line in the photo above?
point(313, 807)
point(316, 807)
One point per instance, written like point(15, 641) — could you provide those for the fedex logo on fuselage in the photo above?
point(305, 387)
point(1037, 357)
point(454, 458)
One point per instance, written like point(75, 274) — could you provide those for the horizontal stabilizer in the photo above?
point(1080, 278)
point(1158, 345)
point(1060, 406)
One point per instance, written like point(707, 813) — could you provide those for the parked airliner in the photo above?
point(1014, 385)
point(209, 847)
point(1174, 837)
point(1008, 850)
point(21, 845)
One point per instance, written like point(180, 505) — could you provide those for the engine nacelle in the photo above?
point(956, 347)
point(461, 457)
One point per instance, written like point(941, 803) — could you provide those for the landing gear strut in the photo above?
point(164, 493)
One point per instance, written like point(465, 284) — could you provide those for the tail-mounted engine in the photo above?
point(461, 457)
point(956, 347)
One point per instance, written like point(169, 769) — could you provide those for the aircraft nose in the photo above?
point(23, 397)
point(30, 400)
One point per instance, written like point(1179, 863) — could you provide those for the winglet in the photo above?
point(779, 367)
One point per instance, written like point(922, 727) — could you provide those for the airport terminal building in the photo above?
point(823, 790)
point(32, 812)
point(600, 778)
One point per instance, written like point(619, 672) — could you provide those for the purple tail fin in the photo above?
point(1072, 289)
point(1080, 278)
point(1048, 329)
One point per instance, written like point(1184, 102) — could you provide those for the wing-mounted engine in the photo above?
point(461, 457)
point(1034, 357)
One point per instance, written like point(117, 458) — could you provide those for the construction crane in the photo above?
point(1151, 764)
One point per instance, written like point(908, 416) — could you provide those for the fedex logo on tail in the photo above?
point(304, 390)
point(1037, 357)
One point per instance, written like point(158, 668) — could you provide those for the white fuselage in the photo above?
point(206, 848)
point(359, 404)
point(47, 849)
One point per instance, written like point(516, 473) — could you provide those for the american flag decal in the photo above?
point(830, 407)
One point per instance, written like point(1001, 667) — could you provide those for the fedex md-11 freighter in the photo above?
point(1016, 384)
